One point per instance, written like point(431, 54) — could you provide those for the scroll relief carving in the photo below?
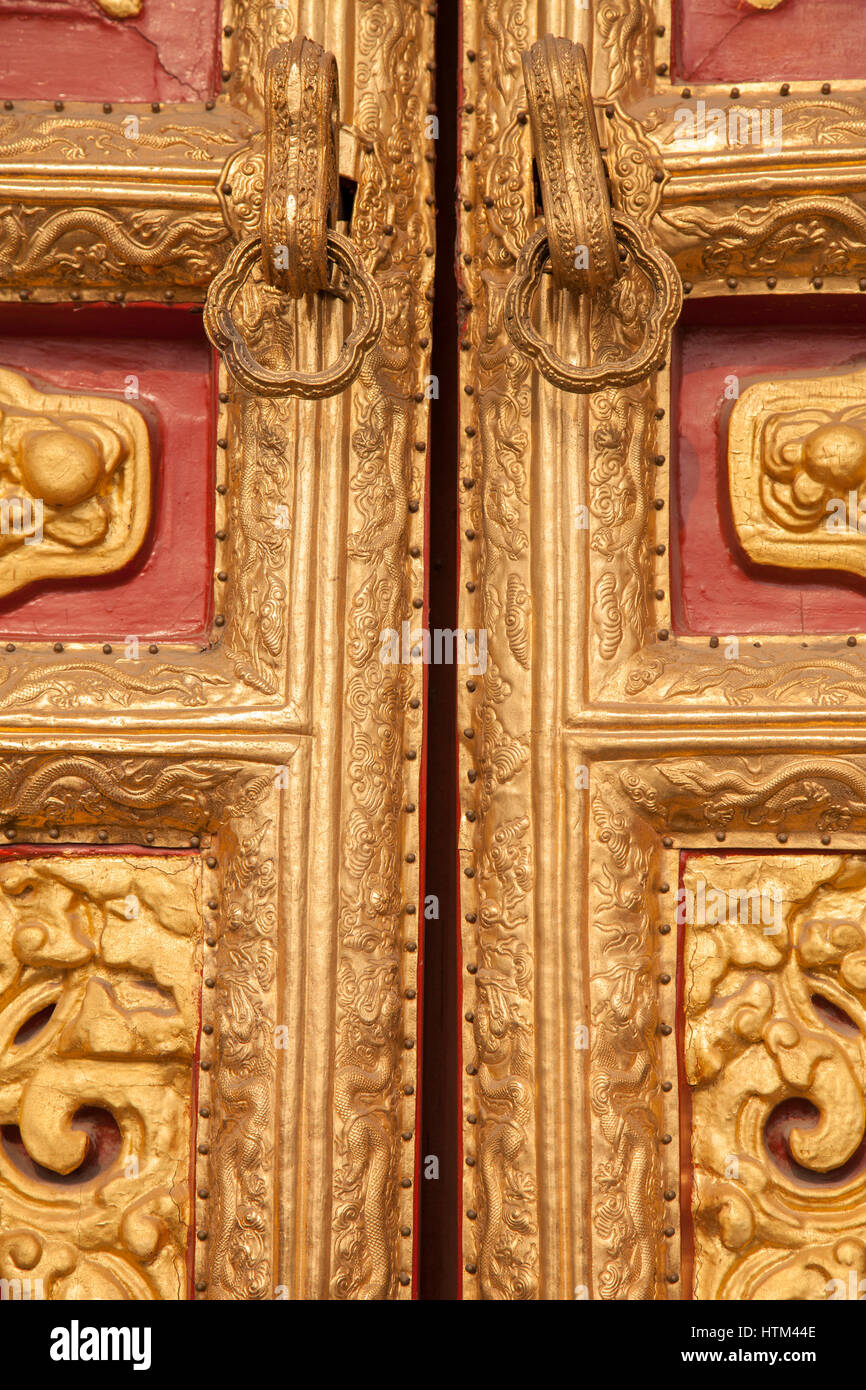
point(74, 483)
point(775, 1054)
point(797, 471)
point(99, 999)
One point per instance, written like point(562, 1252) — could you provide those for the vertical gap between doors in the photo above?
point(438, 1252)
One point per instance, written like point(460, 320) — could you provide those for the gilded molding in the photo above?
point(625, 1057)
point(126, 201)
point(375, 1056)
point(500, 1238)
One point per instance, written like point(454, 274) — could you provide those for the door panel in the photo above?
point(674, 678)
point(221, 694)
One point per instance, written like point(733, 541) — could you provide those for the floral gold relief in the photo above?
point(774, 988)
point(75, 483)
point(100, 975)
point(797, 470)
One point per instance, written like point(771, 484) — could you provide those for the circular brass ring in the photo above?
point(369, 317)
point(302, 128)
point(667, 301)
point(574, 188)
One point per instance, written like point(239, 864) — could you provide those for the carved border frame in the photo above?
point(230, 811)
point(639, 815)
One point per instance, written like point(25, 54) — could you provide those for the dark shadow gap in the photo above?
point(438, 1256)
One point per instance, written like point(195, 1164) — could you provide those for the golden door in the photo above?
point(209, 782)
point(662, 768)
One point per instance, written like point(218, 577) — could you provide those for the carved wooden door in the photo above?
point(209, 783)
point(662, 768)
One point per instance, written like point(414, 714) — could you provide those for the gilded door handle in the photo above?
point(580, 235)
point(297, 248)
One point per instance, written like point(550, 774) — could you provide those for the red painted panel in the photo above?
point(715, 588)
point(165, 592)
point(74, 50)
point(730, 41)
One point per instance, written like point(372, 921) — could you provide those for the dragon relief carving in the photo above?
point(625, 1058)
point(792, 236)
point(241, 1165)
point(99, 982)
point(775, 1056)
point(816, 794)
point(262, 522)
point(626, 30)
point(110, 248)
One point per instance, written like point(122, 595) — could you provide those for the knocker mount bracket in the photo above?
point(297, 248)
point(582, 239)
